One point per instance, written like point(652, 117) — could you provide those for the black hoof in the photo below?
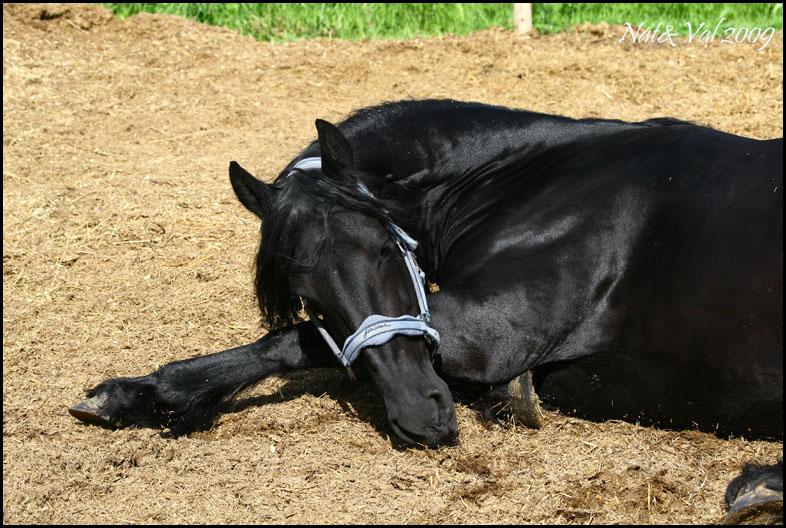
point(525, 403)
point(756, 496)
point(756, 510)
point(91, 411)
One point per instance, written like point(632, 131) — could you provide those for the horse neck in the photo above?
point(460, 163)
point(425, 142)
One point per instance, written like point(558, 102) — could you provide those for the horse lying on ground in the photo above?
point(625, 270)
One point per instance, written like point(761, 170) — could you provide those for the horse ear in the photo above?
point(337, 155)
point(251, 192)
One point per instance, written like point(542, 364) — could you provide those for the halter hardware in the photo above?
point(376, 329)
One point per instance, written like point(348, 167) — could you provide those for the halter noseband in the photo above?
point(377, 330)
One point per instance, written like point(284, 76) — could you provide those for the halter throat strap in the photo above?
point(376, 329)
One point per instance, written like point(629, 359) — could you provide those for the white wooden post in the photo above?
point(522, 18)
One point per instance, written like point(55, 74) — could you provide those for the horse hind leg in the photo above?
point(756, 496)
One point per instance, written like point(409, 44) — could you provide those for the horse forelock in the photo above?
point(302, 201)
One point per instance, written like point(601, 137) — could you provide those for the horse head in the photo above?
point(327, 247)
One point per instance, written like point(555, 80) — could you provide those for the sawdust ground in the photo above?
point(124, 249)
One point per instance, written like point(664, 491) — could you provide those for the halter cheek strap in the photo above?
point(377, 330)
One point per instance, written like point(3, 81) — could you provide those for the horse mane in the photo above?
point(665, 121)
point(306, 194)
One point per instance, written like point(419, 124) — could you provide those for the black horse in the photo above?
point(636, 269)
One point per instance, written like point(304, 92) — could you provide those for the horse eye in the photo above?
point(388, 249)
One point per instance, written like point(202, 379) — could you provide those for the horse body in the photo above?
point(657, 288)
point(636, 268)
point(641, 262)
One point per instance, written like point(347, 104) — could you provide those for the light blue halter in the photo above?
point(377, 330)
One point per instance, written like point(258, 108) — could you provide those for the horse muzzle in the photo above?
point(426, 418)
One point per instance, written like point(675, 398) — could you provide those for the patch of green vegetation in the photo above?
point(276, 22)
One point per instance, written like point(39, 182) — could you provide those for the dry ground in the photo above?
point(124, 249)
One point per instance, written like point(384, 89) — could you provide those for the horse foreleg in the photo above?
point(466, 355)
point(187, 395)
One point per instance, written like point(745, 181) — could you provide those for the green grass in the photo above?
point(275, 22)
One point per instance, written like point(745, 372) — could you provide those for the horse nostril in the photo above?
point(446, 416)
point(444, 403)
point(438, 397)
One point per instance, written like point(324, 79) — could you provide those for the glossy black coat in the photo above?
point(635, 268)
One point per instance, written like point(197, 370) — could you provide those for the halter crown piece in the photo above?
point(377, 330)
